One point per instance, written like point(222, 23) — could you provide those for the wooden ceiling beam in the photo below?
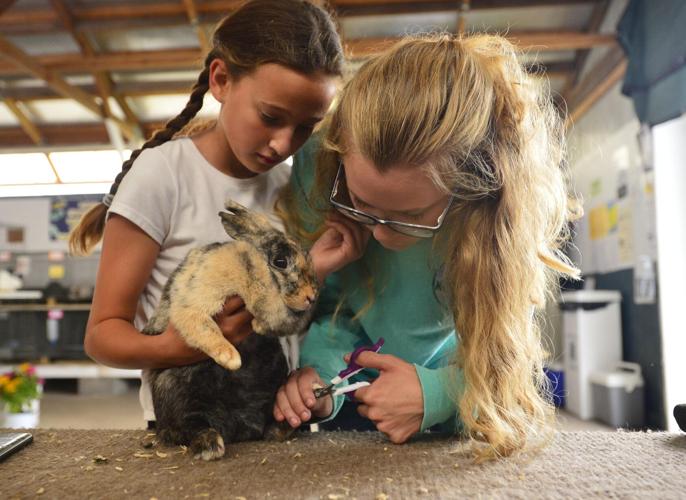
point(34, 20)
point(102, 79)
point(598, 81)
point(595, 21)
point(31, 65)
point(24, 121)
point(5, 4)
point(192, 12)
point(540, 41)
point(555, 69)
point(356, 48)
point(65, 135)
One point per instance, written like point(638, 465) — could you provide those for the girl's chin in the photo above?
point(396, 246)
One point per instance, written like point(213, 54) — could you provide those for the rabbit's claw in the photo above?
point(208, 445)
point(228, 359)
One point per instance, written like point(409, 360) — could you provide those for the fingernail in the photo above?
point(305, 415)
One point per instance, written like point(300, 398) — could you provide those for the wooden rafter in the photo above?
point(102, 79)
point(24, 121)
point(553, 69)
point(31, 130)
point(356, 48)
point(34, 67)
point(595, 21)
point(6, 4)
point(600, 78)
point(192, 12)
point(530, 40)
point(164, 13)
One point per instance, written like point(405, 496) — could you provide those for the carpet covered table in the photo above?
point(114, 464)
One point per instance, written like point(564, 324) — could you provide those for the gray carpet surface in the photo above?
point(338, 465)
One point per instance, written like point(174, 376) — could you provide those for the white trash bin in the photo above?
point(618, 396)
point(592, 332)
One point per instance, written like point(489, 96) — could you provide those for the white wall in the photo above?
point(670, 185)
point(33, 214)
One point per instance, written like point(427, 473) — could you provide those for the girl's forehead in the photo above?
point(289, 89)
point(398, 187)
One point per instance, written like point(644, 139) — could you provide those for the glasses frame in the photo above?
point(405, 228)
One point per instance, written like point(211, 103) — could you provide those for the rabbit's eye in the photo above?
point(280, 262)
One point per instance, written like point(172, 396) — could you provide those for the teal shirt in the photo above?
point(406, 311)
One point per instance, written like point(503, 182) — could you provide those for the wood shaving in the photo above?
point(264, 461)
point(89, 467)
point(139, 454)
point(161, 454)
point(381, 496)
point(170, 467)
point(298, 455)
point(119, 469)
point(40, 491)
point(423, 490)
point(99, 459)
point(240, 498)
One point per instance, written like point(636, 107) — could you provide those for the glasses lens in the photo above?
point(363, 219)
point(415, 232)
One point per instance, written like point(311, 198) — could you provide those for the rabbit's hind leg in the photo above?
point(201, 332)
point(208, 445)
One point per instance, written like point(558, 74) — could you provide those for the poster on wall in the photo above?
point(66, 212)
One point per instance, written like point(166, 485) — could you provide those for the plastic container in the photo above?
point(556, 375)
point(618, 396)
point(592, 332)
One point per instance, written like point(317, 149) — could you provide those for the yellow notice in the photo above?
point(56, 272)
point(599, 218)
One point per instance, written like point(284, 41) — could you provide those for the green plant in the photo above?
point(20, 387)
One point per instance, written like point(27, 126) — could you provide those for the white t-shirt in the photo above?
point(174, 194)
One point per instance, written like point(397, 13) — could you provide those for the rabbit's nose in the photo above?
point(309, 299)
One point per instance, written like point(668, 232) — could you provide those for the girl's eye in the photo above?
point(268, 119)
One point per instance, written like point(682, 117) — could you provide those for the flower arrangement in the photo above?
point(19, 388)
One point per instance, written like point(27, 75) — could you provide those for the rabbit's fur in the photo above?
point(212, 402)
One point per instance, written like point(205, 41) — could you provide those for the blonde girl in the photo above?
point(273, 68)
point(451, 156)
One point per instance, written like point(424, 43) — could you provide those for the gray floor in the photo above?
point(122, 411)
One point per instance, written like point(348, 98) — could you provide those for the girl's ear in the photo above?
point(219, 80)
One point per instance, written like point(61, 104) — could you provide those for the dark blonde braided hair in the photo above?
point(293, 33)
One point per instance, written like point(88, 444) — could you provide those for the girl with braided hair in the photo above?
point(273, 68)
point(452, 157)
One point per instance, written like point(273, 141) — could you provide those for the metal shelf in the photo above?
point(73, 369)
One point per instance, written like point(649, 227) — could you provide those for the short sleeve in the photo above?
point(148, 195)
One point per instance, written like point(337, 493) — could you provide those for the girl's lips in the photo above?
point(267, 159)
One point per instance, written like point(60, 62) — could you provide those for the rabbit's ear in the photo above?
point(242, 224)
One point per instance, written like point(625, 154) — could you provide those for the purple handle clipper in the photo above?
point(353, 367)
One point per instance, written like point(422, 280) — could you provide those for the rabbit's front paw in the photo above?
point(208, 445)
point(278, 431)
point(229, 359)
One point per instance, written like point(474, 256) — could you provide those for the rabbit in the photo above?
point(229, 398)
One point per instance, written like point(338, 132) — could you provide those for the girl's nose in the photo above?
point(282, 142)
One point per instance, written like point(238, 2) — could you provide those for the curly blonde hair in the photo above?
point(465, 111)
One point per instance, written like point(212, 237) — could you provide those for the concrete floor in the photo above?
point(122, 411)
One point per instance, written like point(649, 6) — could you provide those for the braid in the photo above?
point(92, 225)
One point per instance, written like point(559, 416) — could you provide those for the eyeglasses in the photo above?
point(414, 230)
